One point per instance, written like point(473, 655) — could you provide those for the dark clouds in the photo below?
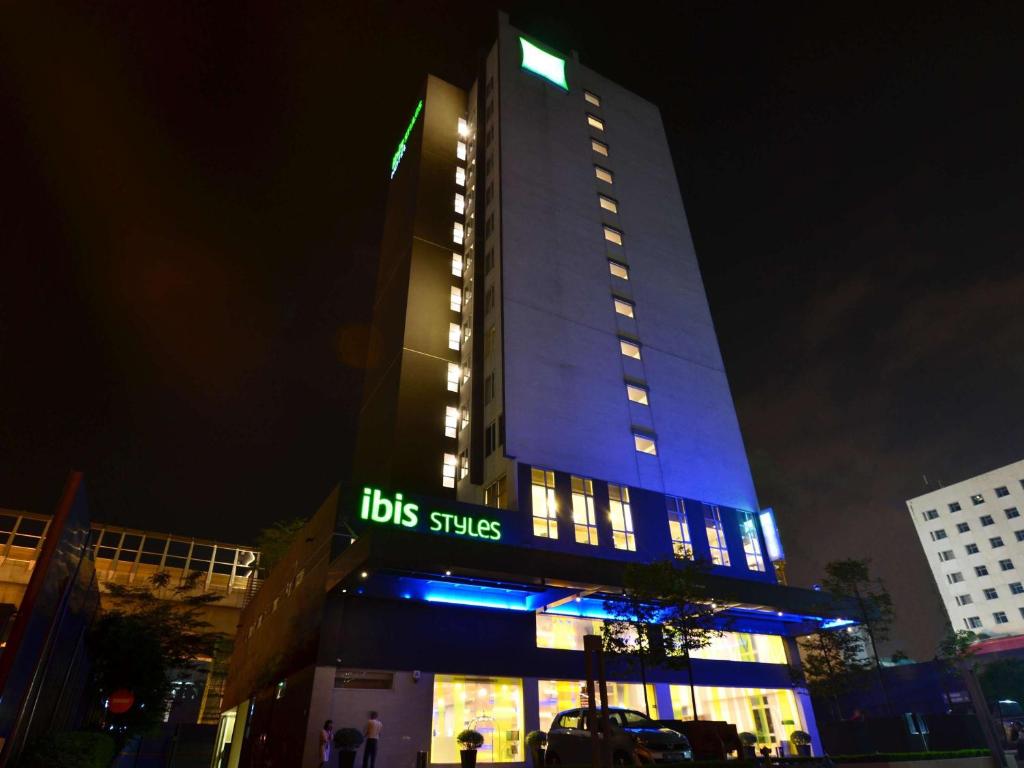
point(194, 196)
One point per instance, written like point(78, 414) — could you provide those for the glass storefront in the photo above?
point(491, 705)
point(558, 695)
point(770, 714)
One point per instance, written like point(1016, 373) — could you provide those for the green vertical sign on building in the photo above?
point(397, 157)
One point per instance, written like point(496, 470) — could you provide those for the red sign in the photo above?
point(120, 701)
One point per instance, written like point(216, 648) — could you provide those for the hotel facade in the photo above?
point(546, 403)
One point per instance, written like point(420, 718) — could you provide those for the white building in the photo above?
point(973, 536)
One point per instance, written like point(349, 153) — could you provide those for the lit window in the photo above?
point(636, 394)
point(716, 535)
point(448, 470)
point(768, 714)
point(460, 150)
point(678, 528)
point(618, 270)
point(460, 176)
point(592, 99)
point(545, 508)
point(751, 543)
point(460, 203)
point(454, 336)
point(645, 444)
point(603, 174)
point(558, 696)
point(613, 235)
point(453, 377)
point(463, 465)
point(565, 633)
point(629, 349)
point(495, 494)
point(494, 705)
point(742, 646)
point(451, 421)
point(463, 127)
point(457, 233)
point(595, 123)
point(584, 518)
point(1000, 617)
point(457, 264)
point(973, 622)
point(455, 299)
point(599, 146)
point(977, 499)
point(608, 204)
point(624, 307)
point(465, 418)
point(621, 515)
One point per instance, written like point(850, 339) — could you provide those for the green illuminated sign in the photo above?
point(376, 508)
point(542, 63)
point(397, 158)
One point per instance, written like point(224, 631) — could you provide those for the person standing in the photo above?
point(372, 733)
point(326, 739)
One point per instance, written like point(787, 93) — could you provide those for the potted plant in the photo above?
point(470, 741)
point(347, 741)
point(748, 745)
point(535, 742)
point(802, 741)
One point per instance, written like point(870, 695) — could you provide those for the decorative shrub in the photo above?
point(470, 739)
point(800, 738)
point(536, 739)
point(348, 739)
point(747, 739)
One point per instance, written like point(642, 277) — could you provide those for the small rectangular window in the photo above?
point(986, 520)
point(488, 388)
point(954, 507)
point(460, 176)
point(990, 594)
point(946, 555)
point(938, 534)
point(981, 570)
point(495, 494)
point(645, 444)
point(678, 528)
point(636, 394)
point(955, 578)
point(716, 535)
point(454, 336)
point(612, 235)
point(457, 264)
point(460, 150)
point(629, 349)
point(1011, 513)
point(451, 461)
point(977, 499)
point(463, 127)
point(545, 508)
point(455, 299)
point(457, 233)
point(623, 307)
point(599, 146)
point(1002, 491)
point(996, 542)
point(595, 122)
point(962, 527)
point(1000, 617)
point(972, 549)
point(964, 600)
point(584, 514)
point(1019, 535)
point(618, 270)
point(603, 174)
point(1016, 588)
point(453, 377)
point(460, 203)
point(592, 98)
point(1006, 565)
point(930, 514)
point(451, 421)
point(973, 622)
point(621, 515)
point(608, 204)
point(463, 465)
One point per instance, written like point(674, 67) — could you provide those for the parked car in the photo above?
point(634, 739)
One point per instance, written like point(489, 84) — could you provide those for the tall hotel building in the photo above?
point(546, 402)
point(972, 533)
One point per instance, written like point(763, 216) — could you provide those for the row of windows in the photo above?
point(972, 549)
point(1010, 512)
point(979, 570)
point(991, 593)
point(620, 516)
point(999, 617)
point(976, 499)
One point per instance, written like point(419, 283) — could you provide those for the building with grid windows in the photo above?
point(972, 533)
point(546, 404)
point(132, 557)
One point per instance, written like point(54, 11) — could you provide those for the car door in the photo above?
point(576, 738)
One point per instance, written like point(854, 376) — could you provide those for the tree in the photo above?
point(833, 664)
point(274, 541)
point(852, 579)
point(956, 649)
point(150, 632)
point(662, 616)
point(1003, 680)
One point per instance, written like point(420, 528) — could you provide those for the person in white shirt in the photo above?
point(372, 733)
point(325, 743)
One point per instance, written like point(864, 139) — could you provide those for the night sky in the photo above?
point(193, 195)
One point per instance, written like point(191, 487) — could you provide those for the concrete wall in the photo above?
point(565, 398)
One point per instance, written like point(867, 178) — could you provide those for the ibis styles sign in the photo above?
point(378, 508)
point(397, 157)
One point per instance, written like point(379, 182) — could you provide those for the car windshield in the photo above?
point(627, 718)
